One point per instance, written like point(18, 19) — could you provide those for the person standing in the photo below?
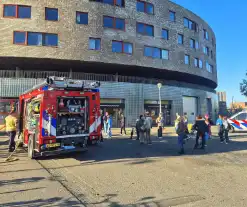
point(109, 126)
point(137, 130)
point(148, 127)
point(10, 124)
point(201, 127)
point(219, 123)
point(105, 123)
point(226, 128)
point(180, 130)
point(141, 128)
point(209, 123)
point(159, 121)
point(122, 124)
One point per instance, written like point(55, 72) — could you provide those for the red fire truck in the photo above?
point(60, 115)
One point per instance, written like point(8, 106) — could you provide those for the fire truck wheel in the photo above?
point(30, 147)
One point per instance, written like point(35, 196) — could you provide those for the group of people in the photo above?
point(143, 129)
point(202, 126)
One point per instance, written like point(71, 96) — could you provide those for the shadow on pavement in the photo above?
point(19, 191)
point(151, 201)
point(20, 181)
point(56, 201)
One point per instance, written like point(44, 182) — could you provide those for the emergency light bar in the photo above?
point(64, 83)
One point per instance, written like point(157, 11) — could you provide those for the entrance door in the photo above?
point(209, 107)
point(190, 108)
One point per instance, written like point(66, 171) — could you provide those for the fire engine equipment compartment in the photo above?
point(71, 118)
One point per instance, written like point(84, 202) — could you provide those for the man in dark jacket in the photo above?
point(201, 127)
point(122, 124)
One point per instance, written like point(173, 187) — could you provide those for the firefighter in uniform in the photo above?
point(10, 124)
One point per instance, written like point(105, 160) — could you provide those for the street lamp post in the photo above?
point(159, 85)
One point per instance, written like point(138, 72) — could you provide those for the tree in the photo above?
point(243, 87)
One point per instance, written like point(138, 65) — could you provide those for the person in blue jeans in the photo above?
point(109, 126)
point(219, 123)
point(180, 130)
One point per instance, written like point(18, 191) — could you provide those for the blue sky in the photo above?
point(228, 19)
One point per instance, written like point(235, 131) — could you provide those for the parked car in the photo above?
point(238, 121)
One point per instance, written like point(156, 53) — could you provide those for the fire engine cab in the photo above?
point(60, 115)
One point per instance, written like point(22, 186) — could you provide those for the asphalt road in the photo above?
point(121, 172)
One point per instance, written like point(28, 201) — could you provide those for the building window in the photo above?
point(186, 59)
point(145, 29)
point(119, 3)
point(142, 6)
point(205, 34)
point(165, 34)
point(180, 39)
point(94, 43)
point(35, 38)
point(51, 14)
point(190, 24)
point(155, 52)
point(17, 11)
point(212, 56)
point(122, 47)
point(196, 62)
point(172, 16)
point(19, 38)
point(81, 18)
point(114, 23)
point(192, 43)
point(209, 67)
point(197, 45)
point(206, 50)
point(200, 64)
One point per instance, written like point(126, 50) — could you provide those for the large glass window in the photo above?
point(122, 47)
point(51, 14)
point(119, 3)
point(209, 67)
point(155, 52)
point(50, 40)
point(148, 51)
point(145, 29)
point(200, 64)
point(24, 12)
point(165, 34)
point(19, 38)
point(94, 43)
point(206, 50)
point(192, 43)
point(187, 59)
point(172, 16)
point(206, 34)
point(180, 39)
point(197, 45)
point(190, 24)
point(164, 54)
point(120, 24)
point(34, 38)
point(9, 11)
point(196, 62)
point(17, 11)
point(114, 23)
point(142, 6)
point(81, 18)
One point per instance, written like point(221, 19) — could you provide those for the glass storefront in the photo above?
point(153, 107)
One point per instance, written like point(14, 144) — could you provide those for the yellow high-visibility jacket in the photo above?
point(11, 122)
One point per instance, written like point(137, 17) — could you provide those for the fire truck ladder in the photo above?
point(53, 82)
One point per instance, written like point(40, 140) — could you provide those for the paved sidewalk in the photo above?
point(26, 183)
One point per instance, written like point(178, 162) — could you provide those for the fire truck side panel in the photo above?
point(94, 117)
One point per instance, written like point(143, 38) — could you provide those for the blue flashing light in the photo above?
point(95, 90)
point(45, 88)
